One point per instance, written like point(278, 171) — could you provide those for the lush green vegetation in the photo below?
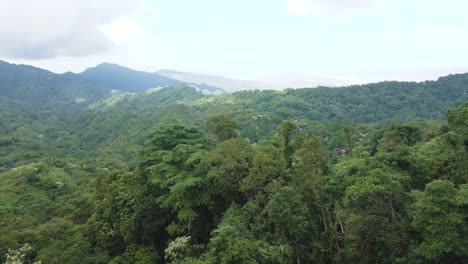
point(365, 174)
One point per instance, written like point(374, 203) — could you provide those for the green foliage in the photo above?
point(268, 167)
point(137, 254)
point(444, 157)
point(233, 242)
point(19, 256)
point(225, 168)
point(171, 156)
point(182, 249)
point(289, 178)
point(439, 214)
point(126, 213)
point(372, 211)
point(222, 127)
point(44, 88)
point(287, 129)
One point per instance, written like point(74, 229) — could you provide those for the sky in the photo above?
point(250, 39)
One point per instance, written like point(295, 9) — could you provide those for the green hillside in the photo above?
point(374, 173)
point(36, 86)
point(259, 114)
point(125, 79)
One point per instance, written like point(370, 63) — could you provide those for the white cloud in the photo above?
point(52, 28)
point(127, 32)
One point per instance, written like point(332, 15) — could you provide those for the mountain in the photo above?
point(29, 84)
point(260, 113)
point(125, 79)
point(301, 80)
point(228, 84)
point(270, 82)
point(36, 87)
point(116, 183)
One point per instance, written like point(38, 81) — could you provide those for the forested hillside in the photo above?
point(126, 79)
point(36, 86)
point(374, 173)
point(259, 114)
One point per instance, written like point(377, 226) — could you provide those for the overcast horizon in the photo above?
point(356, 41)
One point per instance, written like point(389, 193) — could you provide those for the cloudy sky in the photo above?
point(355, 39)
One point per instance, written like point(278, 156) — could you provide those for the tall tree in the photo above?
point(169, 160)
point(222, 126)
point(225, 167)
point(440, 215)
point(287, 132)
point(373, 210)
point(310, 171)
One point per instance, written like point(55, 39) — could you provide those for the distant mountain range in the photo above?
point(123, 78)
point(31, 85)
point(121, 100)
point(129, 80)
point(34, 85)
point(271, 82)
point(97, 81)
point(228, 84)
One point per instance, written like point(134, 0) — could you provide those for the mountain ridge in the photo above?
point(122, 78)
point(35, 85)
